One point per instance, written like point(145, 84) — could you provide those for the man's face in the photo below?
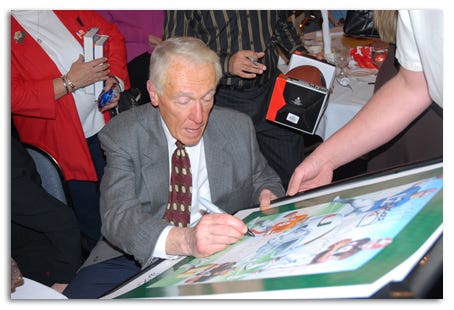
point(187, 99)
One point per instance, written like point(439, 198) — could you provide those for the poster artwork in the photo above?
point(341, 235)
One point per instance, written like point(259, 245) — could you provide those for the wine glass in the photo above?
point(342, 57)
point(342, 60)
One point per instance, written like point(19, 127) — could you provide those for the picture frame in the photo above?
point(397, 213)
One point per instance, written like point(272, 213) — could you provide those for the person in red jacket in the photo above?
point(52, 106)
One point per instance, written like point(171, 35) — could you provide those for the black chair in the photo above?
point(51, 175)
point(53, 182)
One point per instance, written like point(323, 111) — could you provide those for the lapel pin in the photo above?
point(19, 36)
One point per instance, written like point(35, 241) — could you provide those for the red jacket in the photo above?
point(41, 120)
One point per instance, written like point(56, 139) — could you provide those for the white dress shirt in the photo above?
point(200, 186)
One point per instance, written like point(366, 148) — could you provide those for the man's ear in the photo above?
point(153, 94)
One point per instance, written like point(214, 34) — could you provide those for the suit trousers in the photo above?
point(97, 280)
point(85, 197)
point(282, 147)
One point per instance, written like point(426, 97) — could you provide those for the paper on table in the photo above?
point(35, 290)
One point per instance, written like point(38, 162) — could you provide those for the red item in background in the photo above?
point(362, 56)
point(379, 55)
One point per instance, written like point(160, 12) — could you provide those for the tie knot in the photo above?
point(179, 145)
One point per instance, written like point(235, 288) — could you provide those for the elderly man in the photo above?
point(226, 166)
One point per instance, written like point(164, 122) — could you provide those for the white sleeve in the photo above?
point(407, 51)
point(160, 248)
point(420, 38)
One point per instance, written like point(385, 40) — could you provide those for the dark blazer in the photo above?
point(45, 236)
point(134, 188)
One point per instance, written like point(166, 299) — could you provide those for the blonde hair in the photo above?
point(385, 21)
point(190, 48)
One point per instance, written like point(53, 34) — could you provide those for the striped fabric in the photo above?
point(227, 32)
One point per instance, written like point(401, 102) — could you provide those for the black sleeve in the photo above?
point(177, 23)
point(42, 219)
point(287, 36)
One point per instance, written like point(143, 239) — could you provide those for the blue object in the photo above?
point(106, 96)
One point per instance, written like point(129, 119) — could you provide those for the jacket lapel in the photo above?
point(155, 165)
point(219, 165)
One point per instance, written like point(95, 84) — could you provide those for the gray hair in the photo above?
point(190, 48)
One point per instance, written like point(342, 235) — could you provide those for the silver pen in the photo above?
point(253, 60)
point(211, 208)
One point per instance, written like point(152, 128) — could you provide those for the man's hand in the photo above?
point(265, 199)
point(212, 234)
point(241, 65)
point(153, 40)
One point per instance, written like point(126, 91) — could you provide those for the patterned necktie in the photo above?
point(180, 188)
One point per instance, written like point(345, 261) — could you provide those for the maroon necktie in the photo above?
point(180, 189)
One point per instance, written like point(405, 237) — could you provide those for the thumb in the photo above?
point(264, 205)
point(265, 199)
point(260, 54)
point(292, 187)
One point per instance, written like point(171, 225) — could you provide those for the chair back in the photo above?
point(51, 175)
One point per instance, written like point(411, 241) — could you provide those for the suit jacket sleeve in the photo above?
point(177, 23)
point(134, 187)
point(286, 34)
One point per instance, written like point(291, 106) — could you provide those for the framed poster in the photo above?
point(344, 240)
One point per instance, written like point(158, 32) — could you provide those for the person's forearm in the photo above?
point(388, 112)
point(177, 242)
point(61, 87)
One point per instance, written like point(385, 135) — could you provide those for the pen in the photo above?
point(253, 60)
point(210, 207)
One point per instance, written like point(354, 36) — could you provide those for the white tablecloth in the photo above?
point(35, 290)
point(343, 104)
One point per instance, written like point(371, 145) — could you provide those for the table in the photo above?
point(343, 102)
point(338, 39)
point(35, 290)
